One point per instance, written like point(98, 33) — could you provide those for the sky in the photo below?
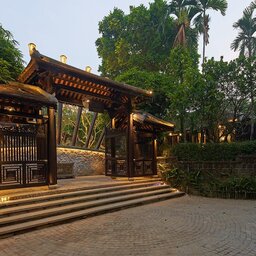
point(70, 27)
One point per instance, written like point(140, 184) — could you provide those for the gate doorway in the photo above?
point(131, 145)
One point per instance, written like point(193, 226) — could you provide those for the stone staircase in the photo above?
point(55, 207)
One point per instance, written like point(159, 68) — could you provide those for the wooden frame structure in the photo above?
point(77, 87)
point(131, 144)
point(27, 136)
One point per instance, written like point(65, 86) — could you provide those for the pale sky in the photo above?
point(71, 27)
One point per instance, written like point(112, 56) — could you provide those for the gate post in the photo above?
point(130, 142)
point(52, 148)
point(154, 142)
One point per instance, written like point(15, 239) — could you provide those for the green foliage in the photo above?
point(185, 83)
point(227, 97)
point(239, 184)
point(185, 11)
point(154, 81)
point(141, 39)
point(245, 42)
point(138, 48)
point(206, 184)
point(213, 152)
point(203, 19)
point(11, 62)
point(68, 124)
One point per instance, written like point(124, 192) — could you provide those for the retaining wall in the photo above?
point(243, 166)
point(86, 162)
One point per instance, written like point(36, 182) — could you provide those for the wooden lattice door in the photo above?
point(23, 155)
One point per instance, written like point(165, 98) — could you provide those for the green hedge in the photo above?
point(213, 152)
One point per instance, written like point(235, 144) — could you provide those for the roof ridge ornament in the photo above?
point(63, 59)
point(32, 48)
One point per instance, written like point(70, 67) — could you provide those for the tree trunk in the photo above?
point(252, 105)
point(182, 128)
point(252, 117)
point(204, 36)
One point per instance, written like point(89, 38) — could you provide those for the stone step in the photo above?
point(86, 197)
point(58, 210)
point(78, 193)
point(97, 210)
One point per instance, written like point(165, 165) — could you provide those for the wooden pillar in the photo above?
point(78, 118)
point(60, 107)
point(52, 148)
point(113, 148)
point(90, 130)
point(154, 157)
point(130, 145)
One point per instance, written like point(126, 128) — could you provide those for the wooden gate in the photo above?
point(116, 155)
point(23, 155)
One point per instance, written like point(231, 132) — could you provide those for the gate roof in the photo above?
point(75, 86)
point(146, 121)
point(14, 93)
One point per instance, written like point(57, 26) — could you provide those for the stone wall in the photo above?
point(86, 162)
point(243, 166)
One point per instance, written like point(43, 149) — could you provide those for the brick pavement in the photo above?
point(184, 226)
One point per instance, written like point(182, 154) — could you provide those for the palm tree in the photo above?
point(202, 20)
point(245, 42)
point(184, 11)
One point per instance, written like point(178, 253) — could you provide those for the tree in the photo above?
point(69, 120)
point(184, 11)
point(141, 39)
point(245, 42)
point(228, 100)
point(11, 62)
point(158, 83)
point(248, 71)
point(202, 20)
point(184, 83)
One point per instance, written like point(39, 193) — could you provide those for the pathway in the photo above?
point(187, 226)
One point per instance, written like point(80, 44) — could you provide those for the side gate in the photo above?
point(23, 155)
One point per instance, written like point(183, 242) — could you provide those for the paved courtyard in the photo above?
point(183, 226)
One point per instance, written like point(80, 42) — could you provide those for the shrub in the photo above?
point(213, 152)
point(205, 184)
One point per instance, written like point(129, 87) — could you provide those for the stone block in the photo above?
point(65, 170)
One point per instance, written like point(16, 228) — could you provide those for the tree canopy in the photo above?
point(10, 56)
point(245, 42)
point(141, 39)
point(157, 48)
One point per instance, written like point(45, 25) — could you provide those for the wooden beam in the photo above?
point(20, 114)
point(85, 93)
point(78, 119)
point(82, 83)
point(95, 115)
point(60, 107)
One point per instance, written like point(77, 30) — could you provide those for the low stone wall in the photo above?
point(86, 162)
point(243, 166)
